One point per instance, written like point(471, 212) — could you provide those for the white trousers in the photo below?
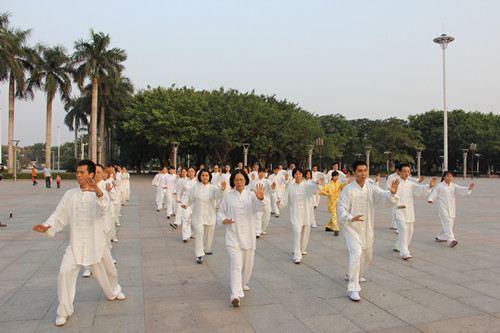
point(204, 238)
point(160, 194)
point(447, 229)
point(104, 271)
point(394, 223)
point(178, 213)
point(118, 207)
point(186, 223)
point(170, 198)
point(359, 259)
point(241, 263)
point(262, 220)
point(405, 235)
point(124, 197)
point(274, 205)
point(300, 240)
point(127, 194)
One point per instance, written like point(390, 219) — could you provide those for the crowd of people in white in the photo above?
point(243, 201)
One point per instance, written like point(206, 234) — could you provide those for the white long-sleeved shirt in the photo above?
point(84, 212)
point(355, 200)
point(407, 189)
point(216, 178)
point(157, 180)
point(204, 199)
point(108, 217)
point(446, 195)
point(241, 208)
point(280, 182)
point(169, 182)
point(300, 198)
point(125, 178)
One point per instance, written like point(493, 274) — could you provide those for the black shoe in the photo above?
point(173, 225)
point(2, 225)
point(328, 229)
point(209, 253)
point(336, 233)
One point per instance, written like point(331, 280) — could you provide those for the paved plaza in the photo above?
point(441, 289)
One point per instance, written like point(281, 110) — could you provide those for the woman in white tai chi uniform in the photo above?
point(299, 195)
point(446, 193)
point(203, 196)
point(237, 212)
point(262, 218)
point(186, 213)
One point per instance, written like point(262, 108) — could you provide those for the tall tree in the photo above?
point(16, 58)
point(76, 118)
point(52, 74)
point(94, 59)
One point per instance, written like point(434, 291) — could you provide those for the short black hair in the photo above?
point(98, 165)
point(398, 166)
point(357, 164)
point(171, 167)
point(335, 163)
point(446, 173)
point(403, 165)
point(335, 173)
point(308, 171)
point(209, 175)
point(235, 172)
point(298, 169)
point(90, 165)
point(261, 169)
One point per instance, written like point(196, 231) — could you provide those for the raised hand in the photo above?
point(228, 221)
point(223, 186)
point(433, 182)
point(394, 186)
point(260, 191)
point(377, 177)
point(471, 186)
point(421, 179)
point(109, 187)
point(273, 186)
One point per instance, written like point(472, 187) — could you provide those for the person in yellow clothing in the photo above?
point(332, 191)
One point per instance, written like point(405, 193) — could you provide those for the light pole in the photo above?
point(319, 143)
point(419, 157)
point(442, 163)
point(444, 40)
point(465, 151)
point(368, 149)
point(83, 152)
point(310, 147)
point(245, 153)
point(58, 148)
point(340, 161)
point(175, 145)
point(358, 155)
point(477, 157)
point(14, 172)
point(388, 153)
point(1, 135)
point(473, 148)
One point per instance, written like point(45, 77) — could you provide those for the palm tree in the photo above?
point(76, 118)
point(52, 74)
point(16, 58)
point(95, 60)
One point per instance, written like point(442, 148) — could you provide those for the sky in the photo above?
point(363, 59)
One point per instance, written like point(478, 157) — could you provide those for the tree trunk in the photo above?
point(48, 135)
point(93, 121)
point(101, 137)
point(10, 161)
point(76, 138)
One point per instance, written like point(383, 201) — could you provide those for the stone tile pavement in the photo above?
point(442, 289)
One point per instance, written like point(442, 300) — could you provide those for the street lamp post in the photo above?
point(465, 151)
point(444, 40)
point(477, 157)
point(175, 145)
point(14, 172)
point(388, 153)
point(310, 147)
point(340, 161)
point(319, 143)
point(419, 157)
point(368, 150)
point(83, 152)
point(473, 148)
point(358, 155)
point(245, 153)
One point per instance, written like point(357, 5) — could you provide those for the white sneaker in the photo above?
point(236, 302)
point(354, 296)
point(120, 296)
point(314, 226)
point(115, 240)
point(60, 320)
point(246, 288)
point(297, 261)
point(304, 253)
point(407, 257)
point(263, 233)
point(117, 224)
point(87, 272)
